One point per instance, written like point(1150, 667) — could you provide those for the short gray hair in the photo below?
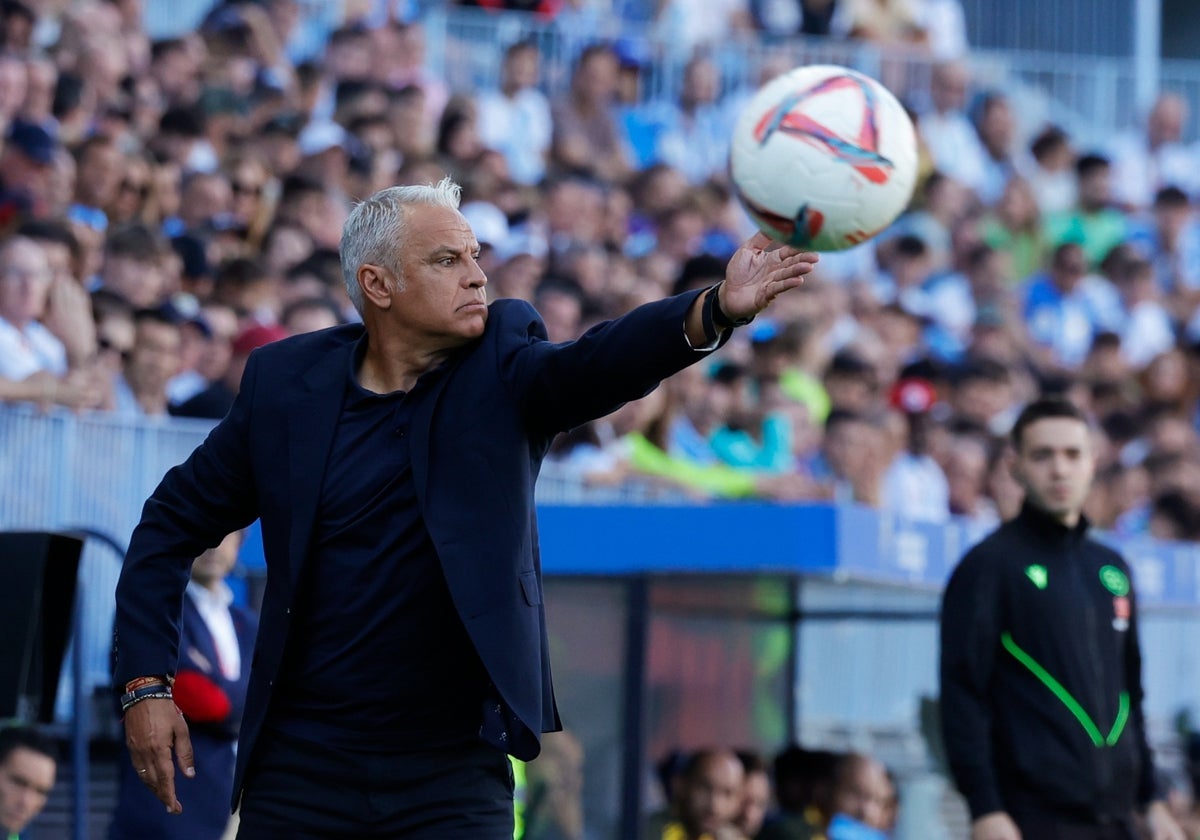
point(374, 231)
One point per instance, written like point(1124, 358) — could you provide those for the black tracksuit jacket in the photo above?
point(1041, 691)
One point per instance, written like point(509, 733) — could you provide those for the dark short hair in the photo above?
point(136, 241)
point(1044, 409)
point(1089, 163)
point(14, 737)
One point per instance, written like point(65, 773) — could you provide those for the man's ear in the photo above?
point(378, 285)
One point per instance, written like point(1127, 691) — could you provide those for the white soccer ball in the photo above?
point(823, 158)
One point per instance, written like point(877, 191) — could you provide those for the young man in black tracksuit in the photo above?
point(1041, 691)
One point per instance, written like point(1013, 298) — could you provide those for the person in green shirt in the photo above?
point(1095, 224)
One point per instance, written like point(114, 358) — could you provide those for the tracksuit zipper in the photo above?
point(1097, 681)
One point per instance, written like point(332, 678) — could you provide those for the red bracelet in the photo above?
point(135, 684)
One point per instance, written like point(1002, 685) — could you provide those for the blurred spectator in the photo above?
point(984, 393)
point(694, 133)
point(966, 477)
point(1066, 308)
point(100, 167)
point(215, 401)
point(1146, 161)
point(516, 118)
point(132, 265)
point(690, 24)
point(914, 485)
point(996, 128)
point(1050, 170)
point(1175, 517)
point(756, 794)
point(1014, 227)
point(851, 383)
point(799, 17)
point(946, 129)
point(586, 138)
point(852, 459)
point(26, 165)
point(28, 767)
point(1095, 224)
point(309, 315)
point(211, 330)
point(708, 798)
point(1147, 329)
point(1170, 239)
point(26, 346)
point(748, 436)
point(804, 781)
point(141, 391)
point(862, 790)
point(887, 23)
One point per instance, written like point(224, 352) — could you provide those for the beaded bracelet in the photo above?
point(154, 689)
point(157, 695)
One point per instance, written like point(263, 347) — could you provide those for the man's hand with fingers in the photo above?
point(760, 271)
point(995, 826)
point(154, 729)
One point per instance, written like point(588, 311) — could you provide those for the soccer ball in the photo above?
point(823, 158)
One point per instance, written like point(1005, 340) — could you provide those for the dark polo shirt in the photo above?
point(378, 658)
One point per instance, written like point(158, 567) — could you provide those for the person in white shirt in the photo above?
point(35, 364)
point(1144, 162)
point(947, 131)
point(515, 120)
point(914, 485)
point(26, 346)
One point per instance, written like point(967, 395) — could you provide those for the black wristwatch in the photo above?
point(714, 318)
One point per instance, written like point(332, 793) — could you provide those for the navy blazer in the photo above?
point(477, 446)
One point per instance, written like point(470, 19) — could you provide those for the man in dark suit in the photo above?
point(402, 645)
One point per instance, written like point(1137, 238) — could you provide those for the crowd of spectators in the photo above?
point(168, 206)
point(801, 794)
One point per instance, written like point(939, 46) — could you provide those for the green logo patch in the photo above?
point(1038, 575)
point(1114, 580)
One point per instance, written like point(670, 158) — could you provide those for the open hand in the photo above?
point(760, 271)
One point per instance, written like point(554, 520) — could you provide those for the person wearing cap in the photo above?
point(25, 166)
point(914, 485)
point(402, 649)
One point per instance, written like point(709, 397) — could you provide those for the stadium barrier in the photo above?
point(672, 623)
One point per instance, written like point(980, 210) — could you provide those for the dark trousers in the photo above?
point(303, 790)
point(1047, 827)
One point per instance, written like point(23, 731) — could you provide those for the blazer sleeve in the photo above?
point(970, 639)
point(564, 385)
point(193, 508)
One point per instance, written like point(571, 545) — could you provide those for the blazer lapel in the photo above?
point(311, 427)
